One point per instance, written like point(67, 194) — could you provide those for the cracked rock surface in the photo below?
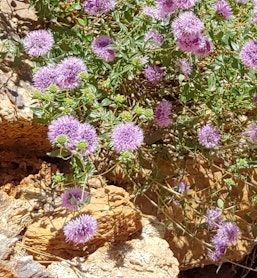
point(16, 128)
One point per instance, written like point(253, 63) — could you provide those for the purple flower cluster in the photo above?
point(80, 229)
point(64, 125)
point(68, 70)
point(94, 7)
point(186, 4)
point(162, 113)
point(44, 77)
point(64, 75)
point(184, 67)
point(88, 134)
point(155, 37)
point(72, 197)
point(38, 42)
point(187, 29)
point(226, 235)
point(187, 23)
point(222, 8)
point(154, 74)
point(127, 137)
point(101, 49)
point(75, 132)
point(248, 54)
point(251, 132)
point(214, 218)
point(162, 9)
point(208, 136)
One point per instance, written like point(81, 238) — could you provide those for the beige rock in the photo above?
point(15, 215)
point(117, 218)
point(23, 266)
point(6, 246)
point(5, 273)
point(146, 257)
point(20, 8)
point(17, 132)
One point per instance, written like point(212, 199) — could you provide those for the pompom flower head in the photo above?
point(191, 43)
point(68, 70)
point(187, 23)
point(101, 49)
point(226, 235)
point(87, 134)
point(72, 197)
point(229, 232)
point(251, 132)
point(214, 218)
point(187, 29)
point(154, 36)
point(93, 7)
point(154, 74)
point(248, 54)
point(162, 113)
point(38, 42)
point(67, 126)
point(80, 229)
point(127, 137)
point(208, 136)
point(162, 9)
point(222, 8)
point(186, 4)
point(44, 77)
point(204, 49)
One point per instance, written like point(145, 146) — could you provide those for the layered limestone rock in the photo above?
point(15, 215)
point(6, 273)
point(17, 132)
point(23, 266)
point(148, 256)
point(117, 219)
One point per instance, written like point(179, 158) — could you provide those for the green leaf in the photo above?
point(234, 46)
point(220, 203)
point(79, 163)
point(77, 7)
point(81, 22)
point(87, 200)
point(106, 102)
point(212, 82)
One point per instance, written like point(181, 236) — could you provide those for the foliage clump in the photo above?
point(133, 82)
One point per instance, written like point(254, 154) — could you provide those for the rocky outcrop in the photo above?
point(23, 266)
point(148, 256)
point(117, 219)
point(17, 131)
